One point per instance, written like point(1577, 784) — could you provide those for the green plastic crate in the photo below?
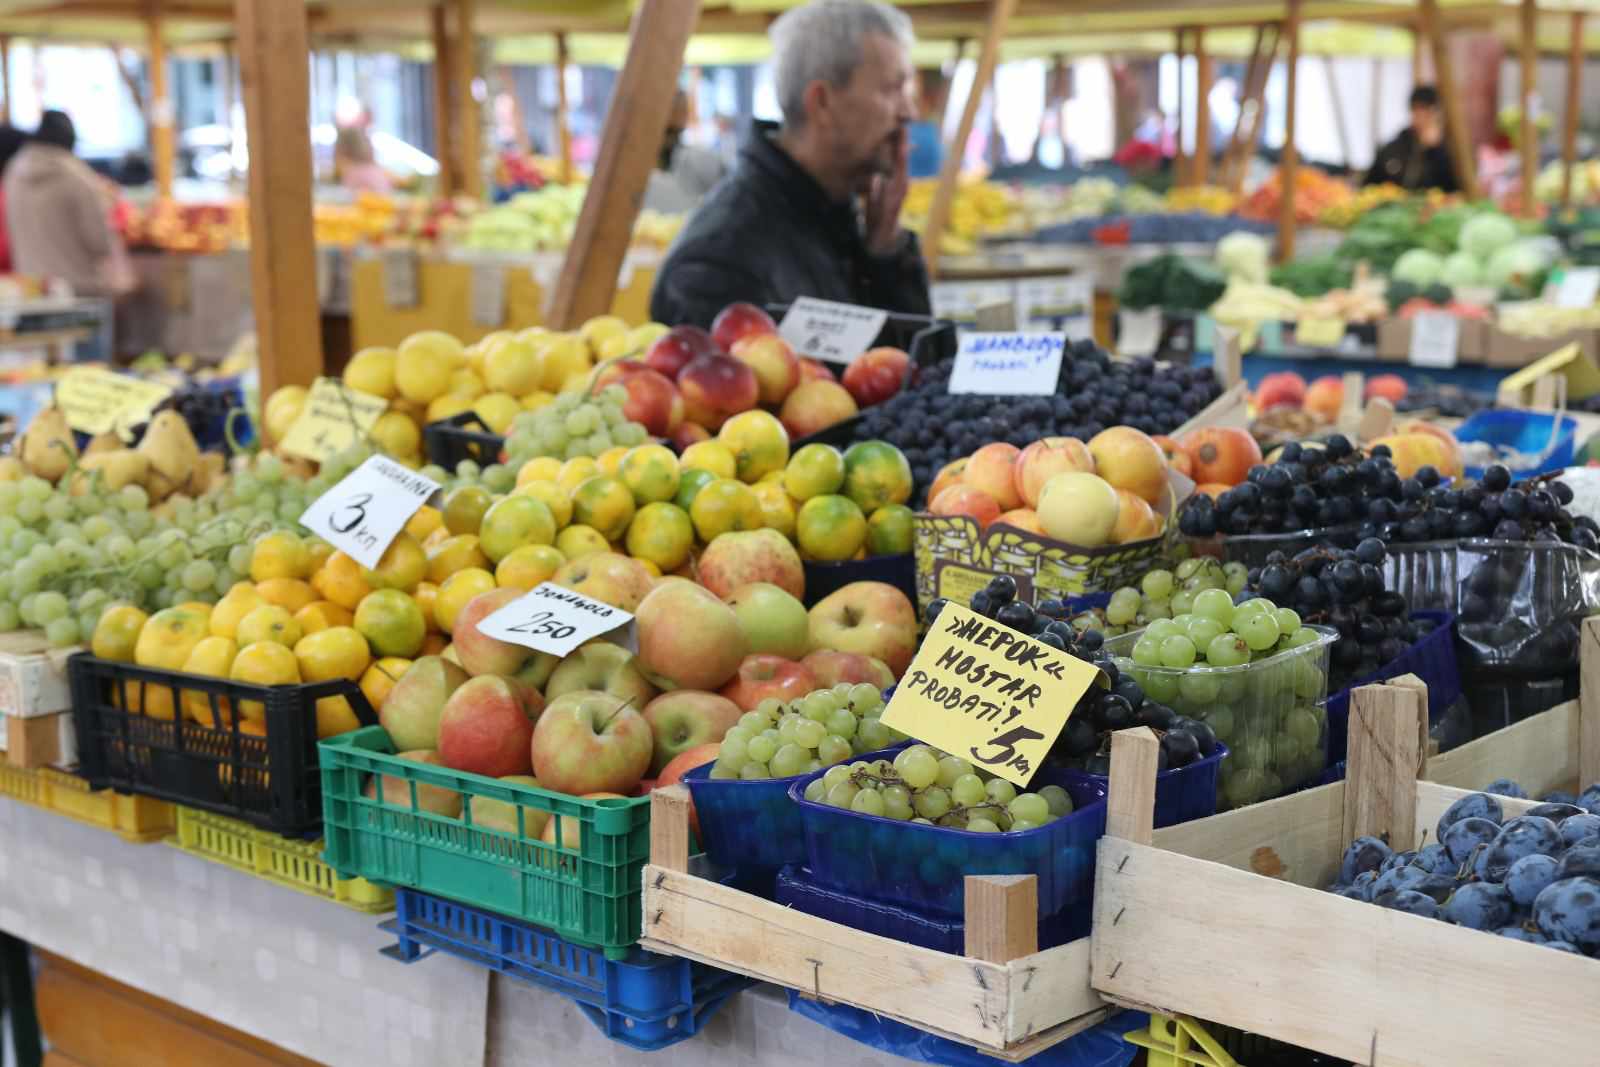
point(589, 894)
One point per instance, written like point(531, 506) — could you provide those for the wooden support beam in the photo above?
point(1528, 141)
point(944, 195)
point(1456, 133)
point(563, 109)
point(1589, 704)
point(1289, 169)
point(1388, 728)
point(469, 113)
point(1131, 807)
point(443, 127)
point(1252, 111)
point(160, 113)
point(1569, 121)
point(628, 143)
point(5, 78)
point(1201, 174)
point(274, 68)
point(1001, 913)
point(1180, 160)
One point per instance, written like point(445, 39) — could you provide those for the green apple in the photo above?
point(773, 620)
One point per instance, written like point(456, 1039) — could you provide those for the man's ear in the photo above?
point(818, 100)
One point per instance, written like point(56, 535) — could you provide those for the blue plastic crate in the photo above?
point(1182, 793)
point(1433, 659)
point(1527, 432)
point(646, 1002)
point(798, 889)
point(752, 828)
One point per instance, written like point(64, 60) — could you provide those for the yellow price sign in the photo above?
point(97, 401)
point(334, 418)
point(1319, 333)
point(989, 694)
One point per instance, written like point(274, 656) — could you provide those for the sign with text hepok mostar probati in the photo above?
point(988, 693)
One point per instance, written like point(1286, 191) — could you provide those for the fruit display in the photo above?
point(1315, 193)
point(786, 738)
point(183, 227)
point(980, 209)
point(1162, 594)
point(1533, 877)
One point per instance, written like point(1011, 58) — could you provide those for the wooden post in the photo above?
point(1180, 159)
point(1290, 168)
point(563, 117)
point(1202, 110)
point(669, 827)
point(1589, 704)
point(944, 195)
point(1338, 107)
point(1131, 807)
point(443, 128)
point(274, 68)
point(656, 40)
point(1569, 121)
point(1529, 140)
point(1388, 724)
point(159, 113)
point(1252, 108)
point(519, 123)
point(1001, 913)
point(5, 78)
point(469, 114)
point(1455, 117)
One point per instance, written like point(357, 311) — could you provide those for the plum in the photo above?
point(1554, 812)
point(1410, 901)
point(1476, 806)
point(1364, 854)
point(1569, 910)
point(1526, 835)
point(1528, 876)
point(1579, 860)
point(1479, 906)
point(1461, 838)
point(1577, 828)
point(1505, 787)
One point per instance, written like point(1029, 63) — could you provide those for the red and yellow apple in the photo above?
point(965, 500)
point(1046, 458)
point(588, 742)
point(876, 375)
point(688, 639)
point(739, 557)
point(411, 710)
point(487, 725)
point(609, 577)
point(831, 667)
point(762, 676)
point(602, 667)
point(776, 366)
point(487, 813)
point(871, 618)
point(433, 799)
point(685, 720)
point(772, 618)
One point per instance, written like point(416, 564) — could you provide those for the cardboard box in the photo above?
point(33, 676)
point(1394, 341)
point(955, 559)
point(1504, 349)
point(42, 741)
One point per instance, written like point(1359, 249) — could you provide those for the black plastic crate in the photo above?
point(464, 436)
point(270, 781)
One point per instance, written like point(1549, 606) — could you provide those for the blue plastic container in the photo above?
point(922, 866)
point(1525, 431)
point(646, 1002)
point(1182, 794)
point(751, 828)
point(797, 888)
point(1433, 659)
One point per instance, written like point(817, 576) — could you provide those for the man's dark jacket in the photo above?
point(1405, 162)
point(769, 233)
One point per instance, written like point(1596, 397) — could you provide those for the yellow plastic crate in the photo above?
point(1179, 1041)
point(20, 784)
point(135, 818)
point(296, 864)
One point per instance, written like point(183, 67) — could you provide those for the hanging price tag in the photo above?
point(986, 693)
point(488, 295)
point(97, 401)
point(1435, 339)
point(1008, 364)
point(1319, 333)
point(400, 278)
point(364, 512)
point(334, 418)
point(1579, 287)
point(557, 620)
point(828, 330)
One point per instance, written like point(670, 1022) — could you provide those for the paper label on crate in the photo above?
point(1319, 333)
point(364, 512)
point(400, 278)
point(488, 296)
point(1138, 332)
point(557, 620)
point(1435, 338)
point(1579, 287)
point(334, 418)
point(1008, 364)
point(97, 401)
point(831, 331)
point(987, 693)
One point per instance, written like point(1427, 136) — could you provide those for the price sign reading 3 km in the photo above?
point(987, 693)
point(364, 512)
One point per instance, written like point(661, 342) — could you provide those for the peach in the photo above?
point(815, 370)
point(1129, 459)
point(653, 401)
point(992, 470)
point(949, 474)
point(676, 348)
point(1044, 459)
point(816, 405)
point(965, 500)
point(688, 433)
point(487, 726)
point(1079, 508)
point(715, 388)
point(737, 321)
point(776, 366)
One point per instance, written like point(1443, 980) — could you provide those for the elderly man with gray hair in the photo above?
point(813, 207)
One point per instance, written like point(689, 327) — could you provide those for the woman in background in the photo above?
point(354, 163)
point(11, 142)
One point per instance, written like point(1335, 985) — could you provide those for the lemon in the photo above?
point(557, 499)
point(464, 508)
point(397, 434)
point(574, 472)
point(380, 678)
point(392, 623)
point(263, 663)
point(661, 535)
point(713, 456)
point(603, 503)
point(423, 523)
point(577, 541)
point(117, 632)
point(512, 366)
point(464, 383)
point(651, 473)
point(424, 363)
point(542, 469)
point(165, 642)
point(292, 594)
point(455, 591)
point(448, 406)
point(610, 460)
point(455, 554)
point(269, 622)
point(279, 554)
point(212, 657)
point(519, 520)
point(371, 370)
point(340, 581)
point(527, 566)
point(283, 407)
point(320, 615)
point(402, 565)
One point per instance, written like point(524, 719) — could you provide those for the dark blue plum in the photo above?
point(1351, 892)
point(1580, 860)
point(1526, 835)
point(1479, 906)
point(1554, 812)
point(1435, 858)
point(1569, 910)
point(1563, 946)
point(1517, 933)
point(1505, 787)
point(1412, 902)
point(1398, 878)
point(1528, 876)
point(1463, 837)
point(1398, 859)
point(1436, 886)
point(1589, 799)
point(1560, 796)
point(1476, 806)
point(1576, 828)
point(1364, 854)
point(1364, 882)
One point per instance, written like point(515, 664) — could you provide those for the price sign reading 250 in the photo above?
point(544, 624)
point(551, 618)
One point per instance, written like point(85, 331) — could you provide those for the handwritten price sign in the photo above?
point(97, 401)
point(831, 331)
point(989, 694)
point(334, 418)
point(1008, 364)
point(556, 620)
point(362, 514)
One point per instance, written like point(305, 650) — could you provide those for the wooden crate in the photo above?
point(33, 676)
point(1230, 921)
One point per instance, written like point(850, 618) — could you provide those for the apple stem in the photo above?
point(614, 713)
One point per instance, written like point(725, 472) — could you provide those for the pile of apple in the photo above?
point(604, 719)
point(689, 382)
point(1112, 491)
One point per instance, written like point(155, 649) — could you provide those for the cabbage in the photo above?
point(1419, 267)
point(1515, 266)
point(1484, 235)
point(1461, 271)
point(1244, 256)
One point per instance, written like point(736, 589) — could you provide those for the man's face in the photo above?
point(868, 116)
point(1428, 124)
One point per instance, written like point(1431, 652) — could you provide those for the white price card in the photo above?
point(1008, 364)
point(364, 512)
point(1435, 339)
point(831, 331)
point(553, 619)
point(400, 289)
point(488, 295)
point(1579, 287)
point(1138, 332)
